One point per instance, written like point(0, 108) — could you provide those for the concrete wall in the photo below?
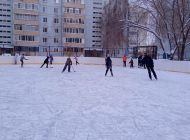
point(166, 65)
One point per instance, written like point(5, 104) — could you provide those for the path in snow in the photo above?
point(43, 104)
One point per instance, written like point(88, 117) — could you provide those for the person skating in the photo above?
point(22, 58)
point(140, 61)
point(16, 58)
point(143, 62)
point(76, 60)
point(108, 65)
point(68, 63)
point(51, 60)
point(131, 63)
point(124, 61)
point(149, 65)
point(46, 61)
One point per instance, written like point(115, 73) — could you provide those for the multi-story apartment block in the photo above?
point(93, 32)
point(74, 27)
point(51, 27)
point(26, 26)
point(6, 45)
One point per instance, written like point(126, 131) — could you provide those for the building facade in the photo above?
point(26, 26)
point(51, 27)
point(93, 29)
point(73, 27)
point(6, 44)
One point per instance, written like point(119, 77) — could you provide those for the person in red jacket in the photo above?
point(124, 61)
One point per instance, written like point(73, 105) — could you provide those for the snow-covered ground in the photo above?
point(44, 104)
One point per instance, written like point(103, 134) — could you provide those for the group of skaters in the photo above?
point(49, 59)
point(146, 62)
point(143, 61)
point(125, 61)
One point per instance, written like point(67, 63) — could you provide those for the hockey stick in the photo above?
point(73, 68)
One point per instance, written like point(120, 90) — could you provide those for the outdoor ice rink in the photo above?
point(44, 104)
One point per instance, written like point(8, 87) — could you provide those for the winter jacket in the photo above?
point(131, 61)
point(46, 60)
point(124, 58)
point(22, 58)
point(108, 62)
point(68, 62)
point(148, 61)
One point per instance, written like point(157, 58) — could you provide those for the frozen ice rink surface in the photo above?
point(44, 104)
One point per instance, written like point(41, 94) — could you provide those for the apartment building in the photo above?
point(6, 45)
point(26, 26)
point(73, 27)
point(51, 27)
point(93, 29)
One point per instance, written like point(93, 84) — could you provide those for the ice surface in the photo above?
point(44, 104)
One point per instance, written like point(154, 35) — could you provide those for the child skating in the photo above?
point(22, 58)
point(67, 64)
point(131, 63)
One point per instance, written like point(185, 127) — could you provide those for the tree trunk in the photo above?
point(182, 52)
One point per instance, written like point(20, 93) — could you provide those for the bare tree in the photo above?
point(114, 35)
point(170, 23)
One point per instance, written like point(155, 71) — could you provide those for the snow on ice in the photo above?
point(44, 104)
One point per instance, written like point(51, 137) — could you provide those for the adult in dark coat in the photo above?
point(68, 63)
point(140, 61)
point(46, 61)
point(108, 65)
point(150, 66)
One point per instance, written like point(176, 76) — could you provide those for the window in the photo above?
point(25, 38)
point(56, 20)
point(56, 30)
point(56, 50)
point(44, 39)
point(45, 19)
point(44, 9)
point(56, 1)
point(56, 10)
point(56, 40)
point(45, 29)
point(18, 27)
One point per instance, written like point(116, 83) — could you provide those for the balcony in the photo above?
point(73, 15)
point(19, 32)
point(27, 1)
point(78, 45)
point(28, 22)
point(73, 35)
point(73, 25)
point(24, 11)
point(74, 5)
point(27, 43)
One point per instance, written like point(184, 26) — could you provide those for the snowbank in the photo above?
point(176, 66)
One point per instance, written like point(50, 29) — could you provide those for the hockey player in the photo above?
point(108, 65)
point(51, 60)
point(46, 61)
point(140, 61)
point(131, 63)
point(149, 65)
point(68, 63)
point(22, 58)
point(76, 60)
